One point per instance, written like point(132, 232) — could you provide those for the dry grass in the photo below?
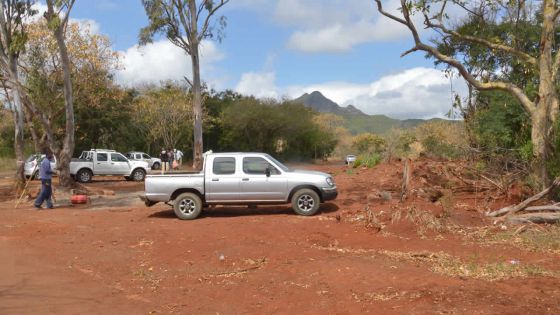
point(533, 238)
point(490, 271)
point(447, 265)
point(540, 239)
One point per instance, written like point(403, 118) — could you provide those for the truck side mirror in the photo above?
point(267, 172)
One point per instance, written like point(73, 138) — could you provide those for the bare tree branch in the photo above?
point(419, 45)
point(207, 20)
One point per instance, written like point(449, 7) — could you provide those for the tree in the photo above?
point(57, 15)
point(367, 143)
point(164, 114)
point(101, 108)
point(12, 42)
point(186, 23)
point(542, 60)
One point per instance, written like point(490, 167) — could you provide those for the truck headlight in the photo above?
point(330, 181)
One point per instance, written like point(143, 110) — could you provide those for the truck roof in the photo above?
point(237, 153)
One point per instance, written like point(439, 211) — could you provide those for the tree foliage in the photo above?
point(165, 115)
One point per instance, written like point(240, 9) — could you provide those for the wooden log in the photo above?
point(544, 208)
point(407, 174)
point(524, 204)
point(534, 218)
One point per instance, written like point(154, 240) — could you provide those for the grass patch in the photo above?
point(538, 240)
point(489, 271)
point(447, 265)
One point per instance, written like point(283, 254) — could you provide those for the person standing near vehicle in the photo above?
point(45, 174)
point(179, 157)
point(170, 157)
point(164, 161)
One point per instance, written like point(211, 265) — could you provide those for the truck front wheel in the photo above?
point(305, 202)
point(187, 206)
point(84, 175)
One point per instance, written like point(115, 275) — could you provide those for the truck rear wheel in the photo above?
point(305, 202)
point(187, 206)
point(84, 175)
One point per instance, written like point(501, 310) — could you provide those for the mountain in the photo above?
point(355, 120)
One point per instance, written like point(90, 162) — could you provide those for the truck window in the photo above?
point(223, 166)
point(102, 157)
point(257, 165)
point(116, 157)
point(145, 156)
point(130, 156)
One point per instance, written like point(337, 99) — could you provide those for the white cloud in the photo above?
point(41, 8)
point(413, 93)
point(331, 25)
point(161, 60)
point(260, 85)
point(337, 26)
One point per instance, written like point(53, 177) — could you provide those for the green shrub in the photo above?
point(368, 160)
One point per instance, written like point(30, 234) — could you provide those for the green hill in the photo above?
point(355, 120)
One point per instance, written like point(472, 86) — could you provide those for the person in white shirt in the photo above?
point(178, 157)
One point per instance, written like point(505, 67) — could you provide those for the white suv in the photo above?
point(350, 159)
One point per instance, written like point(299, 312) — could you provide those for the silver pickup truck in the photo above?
point(240, 178)
point(106, 162)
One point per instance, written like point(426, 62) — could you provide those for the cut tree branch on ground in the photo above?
point(541, 214)
point(534, 218)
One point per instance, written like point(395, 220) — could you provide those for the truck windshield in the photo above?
point(280, 165)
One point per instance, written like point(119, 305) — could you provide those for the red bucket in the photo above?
point(78, 199)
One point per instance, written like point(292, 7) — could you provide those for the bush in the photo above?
point(368, 160)
point(442, 139)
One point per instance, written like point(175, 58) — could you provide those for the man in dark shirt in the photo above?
point(45, 174)
point(164, 161)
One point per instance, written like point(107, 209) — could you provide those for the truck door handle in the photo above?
point(215, 180)
point(245, 179)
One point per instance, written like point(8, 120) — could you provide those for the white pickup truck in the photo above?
point(239, 178)
point(106, 162)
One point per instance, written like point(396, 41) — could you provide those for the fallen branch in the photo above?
point(534, 218)
point(544, 208)
point(524, 204)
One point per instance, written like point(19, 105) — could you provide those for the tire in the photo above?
point(306, 202)
point(138, 175)
point(84, 175)
point(156, 166)
point(187, 206)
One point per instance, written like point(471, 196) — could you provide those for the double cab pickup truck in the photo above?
point(106, 162)
point(239, 179)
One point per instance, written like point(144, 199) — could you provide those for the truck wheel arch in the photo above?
point(177, 192)
point(295, 189)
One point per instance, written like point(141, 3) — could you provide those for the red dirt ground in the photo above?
point(116, 256)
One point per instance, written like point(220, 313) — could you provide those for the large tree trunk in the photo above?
point(65, 179)
point(19, 125)
point(196, 88)
point(545, 114)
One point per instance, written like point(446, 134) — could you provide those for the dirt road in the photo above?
point(104, 259)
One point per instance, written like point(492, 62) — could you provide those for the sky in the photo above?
point(284, 48)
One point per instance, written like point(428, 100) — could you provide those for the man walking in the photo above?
point(45, 174)
point(179, 157)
